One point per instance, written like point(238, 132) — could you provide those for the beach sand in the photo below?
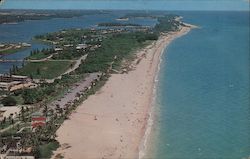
point(111, 124)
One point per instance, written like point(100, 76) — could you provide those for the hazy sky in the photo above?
point(128, 4)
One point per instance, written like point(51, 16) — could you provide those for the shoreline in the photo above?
point(115, 122)
point(144, 143)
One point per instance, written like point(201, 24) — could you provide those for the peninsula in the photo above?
point(112, 122)
point(92, 85)
point(6, 49)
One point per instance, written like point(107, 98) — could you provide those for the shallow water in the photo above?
point(203, 95)
point(25, 31)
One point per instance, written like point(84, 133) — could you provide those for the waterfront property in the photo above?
point(15, 82)
point(13, 78)
point(6, 49)
point(81, 46)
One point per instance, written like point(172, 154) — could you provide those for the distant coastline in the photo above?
point(16, 16)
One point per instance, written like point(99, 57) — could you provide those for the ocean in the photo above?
point(202, 107)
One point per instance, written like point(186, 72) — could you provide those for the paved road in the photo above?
point(71, 94)
point(77, 64)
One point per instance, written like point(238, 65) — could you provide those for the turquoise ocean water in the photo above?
point(202, 104)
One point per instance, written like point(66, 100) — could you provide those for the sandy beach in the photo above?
point(111, 124)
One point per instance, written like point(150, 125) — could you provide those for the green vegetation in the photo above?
point(114, 49)
point(18, 99)
point(46, 92)
point(31, 96)
point(6, 122)
point(167, 23)
point(37, 54)
point(119, 24)
point(11, 50)
point(72, 36)
point(46, 150)
point(68, 40)
point(14, 69)
point(9, 101)
point(69, 54)
point(45, 69)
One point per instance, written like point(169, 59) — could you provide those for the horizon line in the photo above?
point(70, 9)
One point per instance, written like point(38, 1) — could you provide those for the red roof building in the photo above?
point(37, 120)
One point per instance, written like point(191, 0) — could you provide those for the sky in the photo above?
point(128, 4)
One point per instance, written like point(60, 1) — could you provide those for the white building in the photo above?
point(81, 46)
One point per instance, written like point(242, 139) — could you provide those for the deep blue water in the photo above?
point(25, 31)
point(203, 98)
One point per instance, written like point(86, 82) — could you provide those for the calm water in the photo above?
point(25, 31)
point(203, 93)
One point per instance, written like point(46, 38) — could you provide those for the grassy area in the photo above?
point(114, 49)
point(68, 54)
point(167, 23)
point(11, 51)
point(46, 150)
point(11, 131)
point(73, 36)
point(38, 56)
point(6, 124)
point(45, 69)
point(18, 99)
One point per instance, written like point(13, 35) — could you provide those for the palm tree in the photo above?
point(23, 114)
point(45, 110)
